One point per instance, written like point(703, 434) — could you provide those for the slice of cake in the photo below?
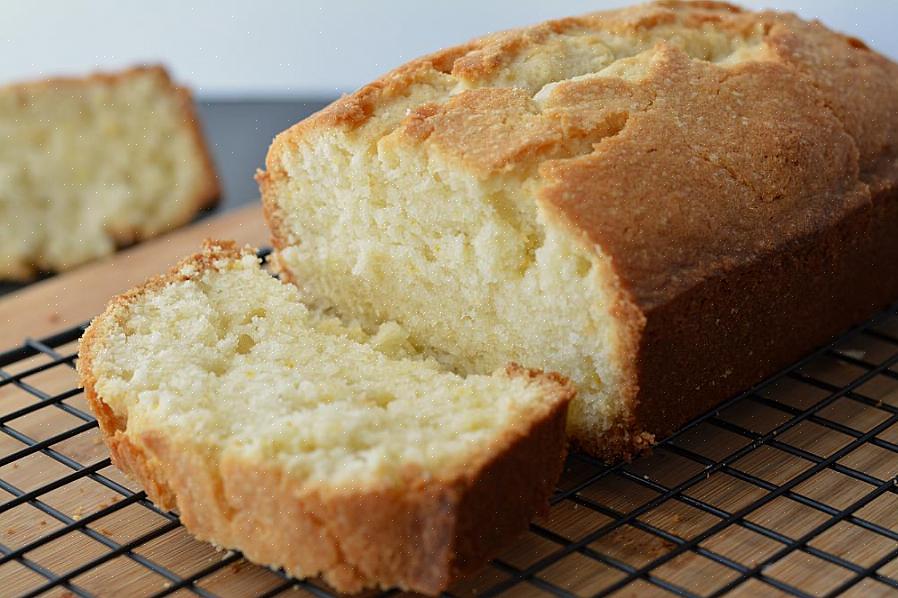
point(89, 164)
point(309, 445)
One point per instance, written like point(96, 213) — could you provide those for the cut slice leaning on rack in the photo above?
point(309, 445)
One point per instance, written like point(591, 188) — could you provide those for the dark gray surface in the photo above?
point(239, 133)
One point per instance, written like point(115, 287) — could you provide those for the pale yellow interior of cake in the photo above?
point(477, 278)
point(84, 164)
point(379, 228)
point(264, 378)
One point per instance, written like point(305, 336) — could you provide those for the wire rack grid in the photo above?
point(789, 488)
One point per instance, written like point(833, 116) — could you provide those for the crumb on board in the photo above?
point(108, 502)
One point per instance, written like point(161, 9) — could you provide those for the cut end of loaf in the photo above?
point(475, 284)
point(89, 164)
point(309, 443)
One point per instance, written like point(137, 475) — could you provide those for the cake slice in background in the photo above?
point(90, 164)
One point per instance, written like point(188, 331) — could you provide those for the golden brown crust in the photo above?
point(730, 332)
point(419, 536)
point(686, 173)
point(207, 193)
point(105, 78)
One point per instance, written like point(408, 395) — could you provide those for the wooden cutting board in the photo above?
point(77, 296)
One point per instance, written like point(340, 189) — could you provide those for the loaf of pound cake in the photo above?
point(665, 203)
point(90, 164)
point(307, 443)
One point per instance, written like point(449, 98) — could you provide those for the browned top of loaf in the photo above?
point(679, 166)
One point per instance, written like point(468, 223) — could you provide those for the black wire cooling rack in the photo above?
point(789, 488)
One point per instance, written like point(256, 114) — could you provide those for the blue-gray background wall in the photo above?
point(259, 66)
point(309, 48)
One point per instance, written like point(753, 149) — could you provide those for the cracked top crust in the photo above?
point(683, 139)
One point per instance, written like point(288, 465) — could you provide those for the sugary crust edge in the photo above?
point(626, 439)
point(354, 110)
point(208, 193)
point(421, 539)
